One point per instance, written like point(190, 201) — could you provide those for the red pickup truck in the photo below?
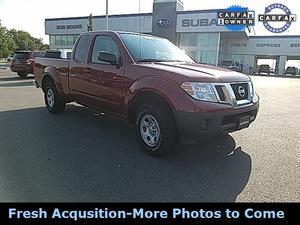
point(153, 84)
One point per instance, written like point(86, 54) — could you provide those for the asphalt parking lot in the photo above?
point(83, 155)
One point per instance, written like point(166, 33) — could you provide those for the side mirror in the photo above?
point(107, 57)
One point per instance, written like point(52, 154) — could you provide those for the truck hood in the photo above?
point(182, 72)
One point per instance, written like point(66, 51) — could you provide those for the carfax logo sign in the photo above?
point(236, 18)
point(277, 22)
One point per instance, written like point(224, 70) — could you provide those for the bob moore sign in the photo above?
point(72, 26)
point(69, 27)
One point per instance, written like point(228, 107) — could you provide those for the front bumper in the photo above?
point(192, 126)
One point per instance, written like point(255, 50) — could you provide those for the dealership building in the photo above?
point(196, 31)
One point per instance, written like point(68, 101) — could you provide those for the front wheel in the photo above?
point(156, 129)
point(53, 101)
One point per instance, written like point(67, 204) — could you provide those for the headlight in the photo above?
point(251, 89)
point(200, 91)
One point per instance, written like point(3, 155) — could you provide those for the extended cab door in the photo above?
point(106, 81)
point(78, 83)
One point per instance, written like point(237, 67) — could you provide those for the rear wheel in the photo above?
point(53, 100)
point(156, 129)
point(22, 74)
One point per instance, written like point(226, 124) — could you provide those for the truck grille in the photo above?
point(234, 94)
point(240, 91)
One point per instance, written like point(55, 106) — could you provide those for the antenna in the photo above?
point(139, 29)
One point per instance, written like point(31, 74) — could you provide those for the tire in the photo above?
point(53, 101)
point(22, 74)
point(158, 136)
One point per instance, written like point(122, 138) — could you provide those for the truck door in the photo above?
point(78, 83)
point(106, 80)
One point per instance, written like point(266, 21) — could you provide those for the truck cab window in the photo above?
point(106, 44)
point(81, 48)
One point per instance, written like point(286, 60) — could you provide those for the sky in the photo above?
point(29, 15)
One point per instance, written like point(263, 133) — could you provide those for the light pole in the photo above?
point(106, 14)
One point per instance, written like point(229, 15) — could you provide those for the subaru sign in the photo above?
point(163, 23)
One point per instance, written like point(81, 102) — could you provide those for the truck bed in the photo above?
point(60, 67)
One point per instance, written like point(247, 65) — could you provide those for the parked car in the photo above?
point(228, 64)
point(264, 68)
point(153, 84)
point(231, 65)
point(23, 62)
point(291, 70)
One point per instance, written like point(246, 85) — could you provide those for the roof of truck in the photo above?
point(117, 32)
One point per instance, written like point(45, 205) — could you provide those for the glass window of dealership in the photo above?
point(203, 47)
point(62, 40)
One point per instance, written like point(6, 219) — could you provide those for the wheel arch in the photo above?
point(50, 75)
point(147, 96)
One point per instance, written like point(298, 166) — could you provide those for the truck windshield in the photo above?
point(145, 48)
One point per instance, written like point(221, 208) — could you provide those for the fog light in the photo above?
point(203, 125)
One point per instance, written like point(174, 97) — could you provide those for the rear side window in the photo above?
point(21, 55)
point(81, 48)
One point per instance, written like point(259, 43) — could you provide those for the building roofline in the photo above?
point(199, 11)
point(96, 17)
point(134, 14)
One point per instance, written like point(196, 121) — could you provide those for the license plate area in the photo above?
point(244, 122)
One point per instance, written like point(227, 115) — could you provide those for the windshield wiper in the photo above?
point(162, 60)
point(150, 60)
point(175, 60)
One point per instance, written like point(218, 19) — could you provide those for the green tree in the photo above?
point(7, 44)
point(11, 40)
